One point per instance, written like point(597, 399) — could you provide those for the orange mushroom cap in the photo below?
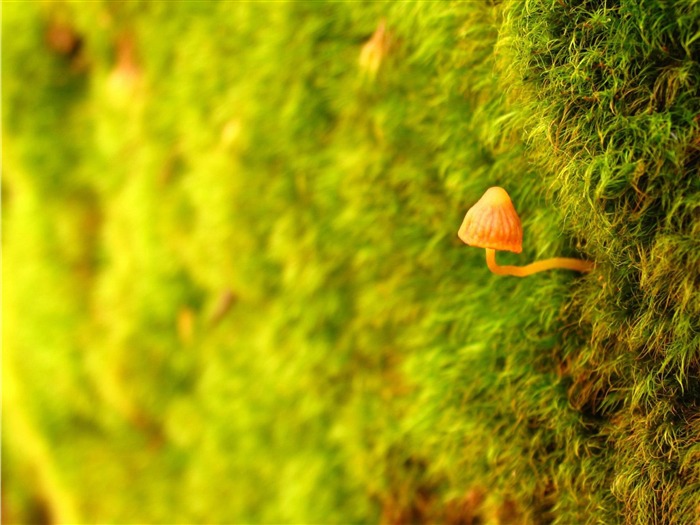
point(493, 223)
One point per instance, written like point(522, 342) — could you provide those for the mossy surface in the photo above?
point(233, 291)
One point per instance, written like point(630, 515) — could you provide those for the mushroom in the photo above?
point(493, 223)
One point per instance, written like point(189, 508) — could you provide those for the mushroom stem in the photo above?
point(565, 263)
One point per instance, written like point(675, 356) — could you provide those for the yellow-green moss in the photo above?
point(233, 291)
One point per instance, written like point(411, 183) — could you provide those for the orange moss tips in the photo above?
point(493, 223)
point(375, 50)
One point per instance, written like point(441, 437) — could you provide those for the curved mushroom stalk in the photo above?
point(564, 263)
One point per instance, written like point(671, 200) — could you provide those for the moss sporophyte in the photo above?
point(493, 223)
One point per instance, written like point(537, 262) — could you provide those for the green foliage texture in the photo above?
point(233, 291)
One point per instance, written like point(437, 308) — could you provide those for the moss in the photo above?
point(233, 287)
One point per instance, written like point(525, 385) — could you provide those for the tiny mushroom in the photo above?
point(493, 223)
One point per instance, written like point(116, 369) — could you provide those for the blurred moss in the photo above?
point(233, 291)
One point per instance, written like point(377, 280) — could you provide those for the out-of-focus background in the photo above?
point(232, 286)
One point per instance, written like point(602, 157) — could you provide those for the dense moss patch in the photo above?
point(234, 291)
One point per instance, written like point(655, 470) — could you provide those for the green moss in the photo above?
point(233, 287)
